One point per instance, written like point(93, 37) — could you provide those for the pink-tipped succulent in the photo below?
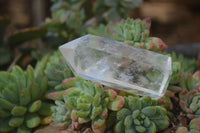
point(87, 102)
point(190, 102)
point(190, 96)
point(134, 32)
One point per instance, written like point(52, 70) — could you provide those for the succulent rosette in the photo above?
point(22, 106)
point(85, 101)
point(190, 102)
point(141, 115)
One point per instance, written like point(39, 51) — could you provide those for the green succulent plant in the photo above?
point(190, 103)
point(194, 127)
point(22, 105)
point(134, 32)
point(87, 102)
point(57, 70)
point(141, 115)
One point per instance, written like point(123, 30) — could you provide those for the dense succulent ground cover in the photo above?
point(27, 96)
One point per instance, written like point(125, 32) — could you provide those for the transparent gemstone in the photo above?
point(119, 65)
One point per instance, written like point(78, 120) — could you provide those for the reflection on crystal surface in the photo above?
point(118, 65)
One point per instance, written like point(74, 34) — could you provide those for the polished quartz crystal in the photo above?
point(119, 65)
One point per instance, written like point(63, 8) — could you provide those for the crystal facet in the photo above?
point(118, 65)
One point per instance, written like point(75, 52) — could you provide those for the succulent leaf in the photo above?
point(116, 104)
point(18, 111)
point(16, 121)
point(32, 120)
point(35, 106)
point(41, 65)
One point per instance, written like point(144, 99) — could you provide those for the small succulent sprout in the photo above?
point(190, 102)
point(57, 70)
point(21, 100)
point(84, 102)
point(141, 115)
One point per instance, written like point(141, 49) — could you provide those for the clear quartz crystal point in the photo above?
point(119, 65)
